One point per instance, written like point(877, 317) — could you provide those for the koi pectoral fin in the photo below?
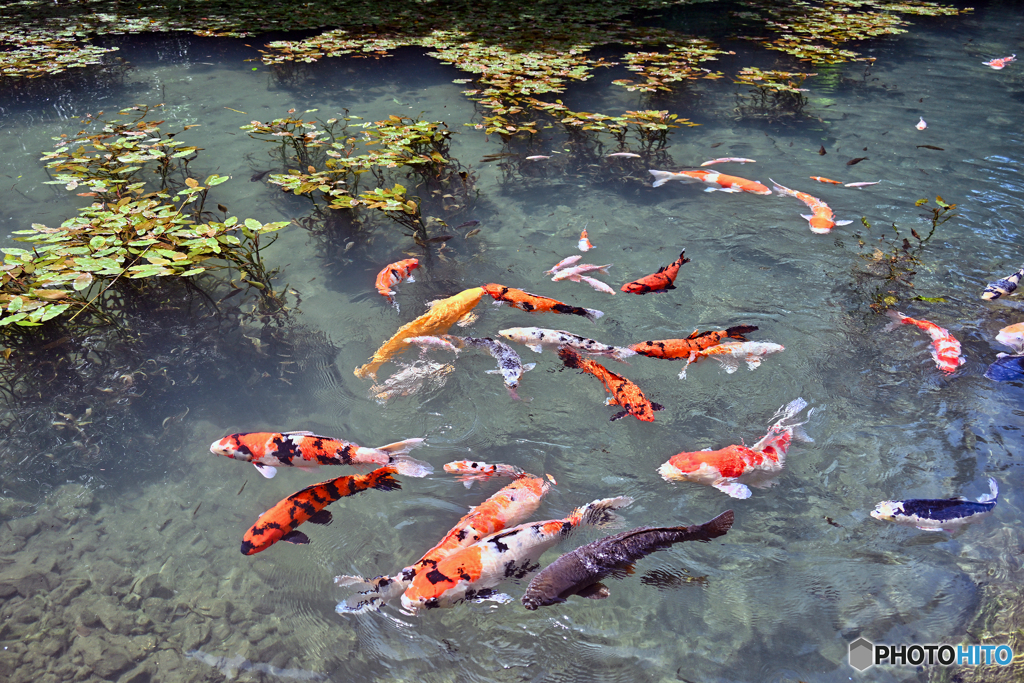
point(266, 470)
point(732, 488)
point(296, 537)
point(595, 591)
point(843, 222)
point(323, 517)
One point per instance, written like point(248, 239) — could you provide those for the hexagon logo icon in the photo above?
point(862, 653)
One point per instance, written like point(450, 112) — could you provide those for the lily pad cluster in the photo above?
point(34, 53)
point(679, 63)
point(773, 92)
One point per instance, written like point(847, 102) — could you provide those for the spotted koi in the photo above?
point(1004, 286)
point(394, 273)
point(531, 303)
point(677, 349)
point(623, 392)
point(661, 281)
point(729, 354)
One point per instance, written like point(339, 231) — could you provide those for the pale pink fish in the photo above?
point(921, 125)
point(861, 184)
point(564, 263)
point(430, 342)
point(596, 284)
point(537, 157)
point(738, 160)
point(575, 271)
point(1001, 62)
point(623, 155)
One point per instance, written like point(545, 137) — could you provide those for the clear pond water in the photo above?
point(140, 560)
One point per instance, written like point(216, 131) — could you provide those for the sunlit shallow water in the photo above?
point(141, 572)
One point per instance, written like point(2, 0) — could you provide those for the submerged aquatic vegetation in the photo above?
point(679, 63)
point(773, 93)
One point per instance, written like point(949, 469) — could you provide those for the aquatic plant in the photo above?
point(773, 93)
point(679, 63)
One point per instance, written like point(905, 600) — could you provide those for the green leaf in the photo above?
point(194, 271)
point(53, 310)
point(82, 282)
point(216, 180)
point(253, 224)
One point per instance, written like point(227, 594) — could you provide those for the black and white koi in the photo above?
point(536, 338)
point(1003, 286)
point(510, 365)
point(943, 514)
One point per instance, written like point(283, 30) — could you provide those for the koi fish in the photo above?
point(821, 219)
point(584, 244)
point(537, 157)
point(509, 506)
point(576, 271)
point(733, 469)
point(510, 365)
point(660, 281)
point(1012, 336)
point(531, 303)
point(474, 470)
point(862, 184)
point(717, 181)
point(580, 572)
point(564, 263)
point(394, 273)
point(678, 349)
point(270, 450)
point(279, 523)
point(536, 338)
point(441, 316)
point(729, 354)
point(1006, 368)
point(595, 283)
point(433, 342)
point(944, 514)
point(471, 572)
point(1001, 62)
point(623, 392)
point(945, 347)
point(921, 125)
point(411, 379)
point(622, 155)
point(738, 160)
point(820, 179)
point(1003, 286)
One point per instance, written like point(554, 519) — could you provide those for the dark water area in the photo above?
point(119, 541)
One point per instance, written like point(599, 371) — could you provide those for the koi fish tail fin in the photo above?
point(377, 591)
point(398, 458)
point(410, 467)
point(593, 314)
point(737, 331)
point(717, 526)
point(621, 353)
point(993, 494)
point(799, 434)
point(897, 320)
point(384, 480)
point(662, 177)
point(599, 512)
point(781, 188)
point(785, 420)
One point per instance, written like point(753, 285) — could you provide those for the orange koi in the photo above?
point(531, 303)
point(623, 392)
point(677, 349)
point(717, 181)
point(473, 470)
point(821, 219)
point(821, 179)
point(733, 468)
point(1012, 336)
point(661, 281)
point(945, 347)
point(394, 273)
point(729, 354)
point(270, 450)
point(279, 523)
point(473, 571)
point(585, 244)
point(1001, 62)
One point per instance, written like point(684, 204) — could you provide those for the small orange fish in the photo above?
point(531, 303)
point(825, 180)
point(679, 349)
point(623, 392)
point(717, 181)
point(661, 281)
point(394, 273)
point(279, 523)
point(1001, 62)
point(945, 347)
point(585, 244)
point(821, 219)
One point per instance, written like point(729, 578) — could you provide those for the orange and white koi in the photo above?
point(1003, 286)
point(821, 219)
point(921, 125)
point(584, 243)
point(822, 179)
point(945, 347)
point(723, 160)
point(729, 354)
point(661, 281)
point(270, 450)
point(624, 393)
point(394, 273)
point(564, 263)
point(536, 338)
point(733, 469)
point(594, 283)
point(717, 181)
point(470, 471)
point(678, 349)
point(441, 316)
point(531, 303)
point(1001, 62)
point(510, 505)
point(473, 571)
point(1012, 336)
point(280, 522)
point(576, 271)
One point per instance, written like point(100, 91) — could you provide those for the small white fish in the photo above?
point(921, 125)
point(623, 155)
point(596, 284)
point(537, 157)
point(861, 184)
point(428, 342)
point(576, 271)
point(536, 338)
point(738, 160)
point(729, 354)
point(564, 263)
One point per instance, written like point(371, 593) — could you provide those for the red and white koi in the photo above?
point(584, 244)
point(1001, 62)
point(717, 181)
point(473, 571)
point(564, 263)
point(470, 471)
point(945, 347)
point(921, 125)
point(536, 338)
point(733, 469)
point(723, 160)
point(821, 219)
point(392, 274)
point(270, 450)
point(576, 271)
point(729, 354)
